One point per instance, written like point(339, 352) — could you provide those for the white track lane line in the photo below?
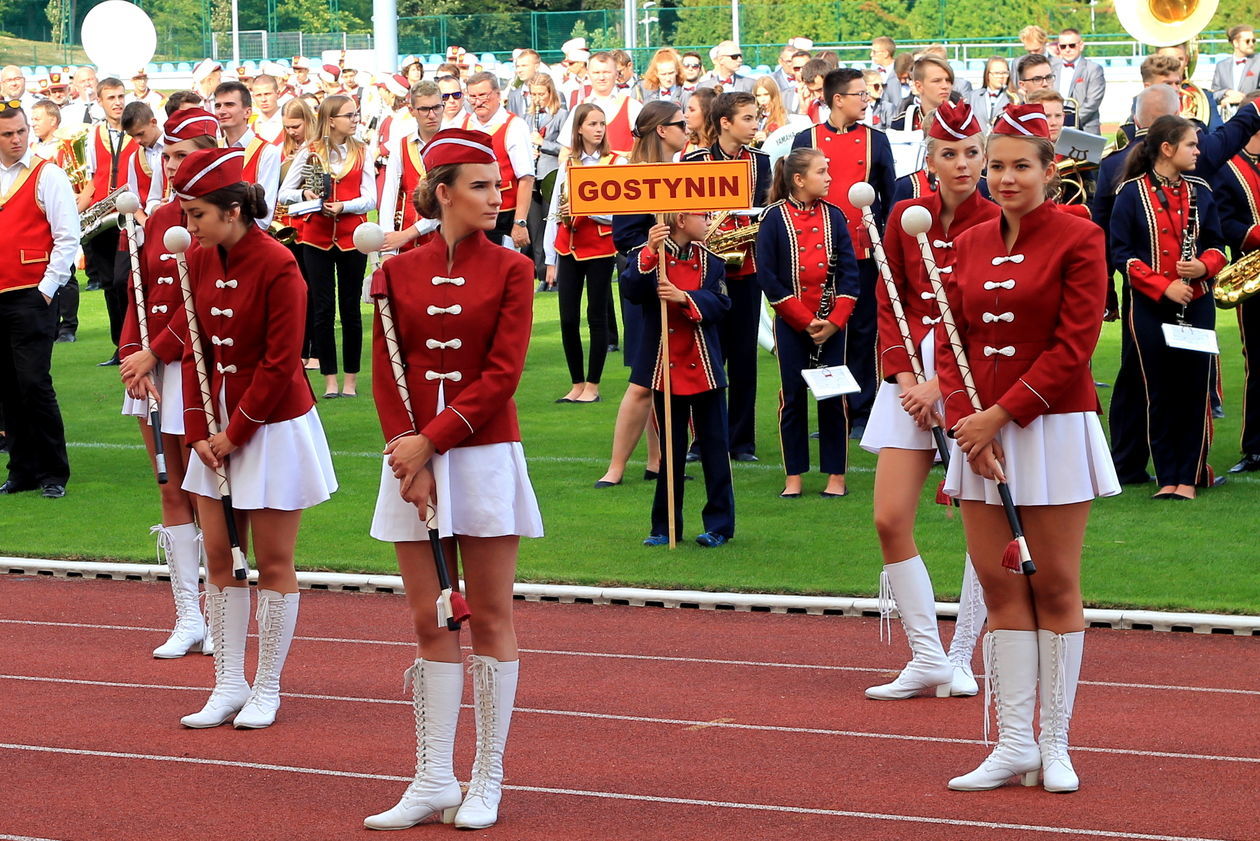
point(615, 795)
point(23, 838)
point(709, 661)
point(642, 719)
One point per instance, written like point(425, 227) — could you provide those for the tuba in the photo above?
point(1167, 23)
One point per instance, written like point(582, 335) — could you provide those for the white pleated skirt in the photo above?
point(889, 425)
point(1056, 460)
point(170, 384)
point(284, 466)
point(482, 491)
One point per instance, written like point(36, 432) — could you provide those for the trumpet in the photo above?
point(1238, 281)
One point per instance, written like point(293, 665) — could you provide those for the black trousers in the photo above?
point(336, 283)
point(308, 342)
point(1249, 328)
point(708, 410)
point(794, 350)
point(1176, 384)
point(738, 331)
point(108, 266)
point(1126, 419)
point(596, 276)
point(537, 220)
point(68, 305)
point(860, 345)
point(32, 418)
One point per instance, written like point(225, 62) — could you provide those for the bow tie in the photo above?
point(1014, 258)
point(989, 317)
point(456, 376)
point(1069, 64)
point(994, 284)
point(1003, 351)
point(453, 309)
point(1240, 61)
point(439, 280)
point(225, 313)
point(225, 284)
point(689, 88)
point(940, 243)
point(434, 344)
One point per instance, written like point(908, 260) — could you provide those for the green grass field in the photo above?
point(1138, 552)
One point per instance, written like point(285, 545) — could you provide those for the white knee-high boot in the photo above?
point(911, 589)
point(277, 618)
point(494, 694)
point(183, 559)
point(972, 613)
point(1010, 664)
point(1061, 656)
point(229, 619)
point(437, 690)
point(207, 644)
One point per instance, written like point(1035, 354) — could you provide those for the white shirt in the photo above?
point(609, 105)
point(1240, 67)
point(519, 148)
point(157, 185)
point(389, 189)
point(268, 174)
point(55, 194)
point(116, 140)
point(269, 128)
point(153, 99)
point(1067, 75)
point(291, 189)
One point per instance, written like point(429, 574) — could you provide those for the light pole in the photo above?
point(735, 21)
point(647, 23)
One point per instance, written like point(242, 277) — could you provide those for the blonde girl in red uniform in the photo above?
point(1028, 309)
point(156, 370)
point(250, 304)
point(298, 124)
point(462, 307)
point(580, 252)
point(335, 267)
point(905, 410)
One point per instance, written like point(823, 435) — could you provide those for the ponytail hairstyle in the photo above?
point(724, 107)
point(795, 163)
point(249, 198)
point(647, 142)
point(1167, 129)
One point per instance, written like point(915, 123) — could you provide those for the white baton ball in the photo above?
point(916, 220)
point(177, 239)
point(127, 202)
point(861, 195)
point(369, 237)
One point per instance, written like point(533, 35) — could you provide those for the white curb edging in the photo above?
point(1199, 623)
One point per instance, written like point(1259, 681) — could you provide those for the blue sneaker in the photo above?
point(712, 541)
point(656, 540)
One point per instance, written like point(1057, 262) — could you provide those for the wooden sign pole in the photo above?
point(668, 432)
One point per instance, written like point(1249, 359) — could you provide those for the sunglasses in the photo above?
point(453, 95)
point(736, 56)
point(10, 105)
point(691, 64)
point(1072, 46)
point(676, 123)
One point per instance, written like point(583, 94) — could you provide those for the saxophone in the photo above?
point(731, 245)
point(100, 217)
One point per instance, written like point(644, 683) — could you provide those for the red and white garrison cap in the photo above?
point(189, 123)
point(953, 121)
point(458, 146)
point(207, 170)
point(1023, 121)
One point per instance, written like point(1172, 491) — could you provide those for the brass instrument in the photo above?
point(1072, 186)
point(1238, 281)
point(283, 233)
point(100, 217)
point(76, 169)
point(1168, 23)
point(730, 245)
point(316, 178)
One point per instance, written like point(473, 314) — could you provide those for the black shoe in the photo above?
point(601, 484)
point(692, 456)
point(829, 495)
point(614, 348)
point(815, 435)
point(1217, 482)
point(54, 491)
point(92, 286)
point(650, 475)
point(12, 487)
point(4, 444)
point(108, 363)
point(1249, 463)
point(65, 336)
point(856, 433)
point(786, 495)
point(744, 457)
point(542, 286)
point(332, 395)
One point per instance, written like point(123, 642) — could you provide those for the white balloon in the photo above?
point(916, 220)
point(177, 239)
point(369, 237)
point(118, 37)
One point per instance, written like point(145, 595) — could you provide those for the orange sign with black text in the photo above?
point(696, 187)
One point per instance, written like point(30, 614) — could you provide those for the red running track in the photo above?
point(633, 723)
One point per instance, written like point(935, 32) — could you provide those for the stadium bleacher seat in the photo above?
point(167, 67)
point(183, 67)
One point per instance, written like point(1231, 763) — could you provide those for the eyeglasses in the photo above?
point(860, 94)
point(353, 115)
point(1040, 80)
point(735, 56)
point(453, 95)
point(480, 97)
point(429, 109)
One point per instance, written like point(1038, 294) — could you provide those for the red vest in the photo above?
point(409, 179)
point(26, 237)
point(619, 137)
point(253, 157)
point(108, 176)
point(848, 161)
point(324, 232)
point(583, 238)
point(507, 177)
point(144, 175)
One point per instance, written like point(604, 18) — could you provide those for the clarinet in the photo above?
point(825, 305)
point(1189, 237)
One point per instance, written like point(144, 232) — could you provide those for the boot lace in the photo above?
point(485, 689)
point(216, 610)
point(965, 625)
point(413, 681)
point(1054, 734)
point(886, 604)
point(270, 617)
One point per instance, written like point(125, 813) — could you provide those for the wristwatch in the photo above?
point(521, 223)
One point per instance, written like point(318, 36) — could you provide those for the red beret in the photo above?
point(953, 121)
point(1023, 121)
point(207, 170)
point(189, 123)
point(458, 146)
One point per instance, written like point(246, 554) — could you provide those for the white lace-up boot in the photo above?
point(277, 617)
point(207, 644)
point(1010, 665)
point(229, 621)
point(907, 585)
point(972, 614)
point(179, 544)
point(494, 694)
point(437, 689)
point(1060, 671)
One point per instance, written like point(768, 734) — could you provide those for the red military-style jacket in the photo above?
point(163, 298)
point(1028, 319)
point(1146, 236)
point(910, 277)
point(326, 233)
point(251, 309)
point(463, 328)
